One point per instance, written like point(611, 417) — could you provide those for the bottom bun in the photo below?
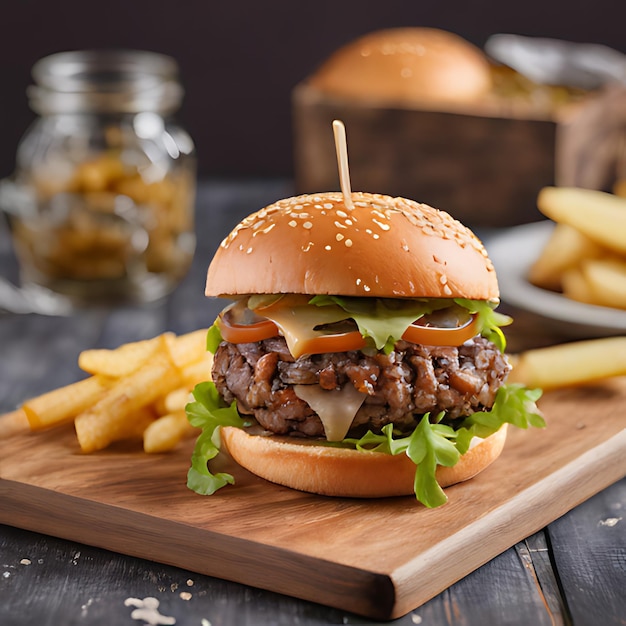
point(307, 466)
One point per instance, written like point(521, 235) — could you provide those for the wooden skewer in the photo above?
point(341, 146)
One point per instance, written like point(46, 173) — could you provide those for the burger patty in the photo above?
point(400, 386)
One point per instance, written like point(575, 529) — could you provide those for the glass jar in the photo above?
point(101, 204)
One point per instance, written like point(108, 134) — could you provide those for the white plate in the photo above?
point(513, 252)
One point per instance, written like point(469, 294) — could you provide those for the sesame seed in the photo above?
point(376, 236)
point(381, 225)
point(366, 288)
point(307, 225)
point(328, 205)
point(264, 230)
point(443, 279)
point(348, 243)
point(327, 248)
point(293, 223)
point(307, 247)
point(348, 222)
point(249, 250)
point(447, 290)
point(338, 236)
point(342, 213)
point(340, 225)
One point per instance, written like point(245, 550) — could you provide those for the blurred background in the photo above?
point(241, 59)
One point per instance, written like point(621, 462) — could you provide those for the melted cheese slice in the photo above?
point(296, 319)
point(336, 407)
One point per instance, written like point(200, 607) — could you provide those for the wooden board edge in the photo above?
point(531, 510)
point(279, 570)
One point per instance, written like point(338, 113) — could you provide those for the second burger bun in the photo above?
point(406, 66)
point(382, 247)
point(343, 472)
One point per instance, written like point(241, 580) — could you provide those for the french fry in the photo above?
point(575, 286)
point(164, 433)
point(65, 403)
point(198, 372)
point(99, 425)
point(606, 279)
point(564, 249)
point(124, 360)
point(135, 426)
point(188, 348)
point(172, 401)
point(175, 400)
point(13, 423)
point(570, 364)
point(599, 215)
point(158, 406)
point(619, 189)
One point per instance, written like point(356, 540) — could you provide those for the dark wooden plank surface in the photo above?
point(589, 548)
point(573, 572)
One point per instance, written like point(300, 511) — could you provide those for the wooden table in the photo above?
point(571, 572)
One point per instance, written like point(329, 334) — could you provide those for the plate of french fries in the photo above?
point(571, 267)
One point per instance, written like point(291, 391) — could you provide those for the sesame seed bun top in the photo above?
point(406, 66)
point(381, 247)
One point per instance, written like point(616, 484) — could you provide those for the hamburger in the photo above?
point(407, 66)
point(359, 354)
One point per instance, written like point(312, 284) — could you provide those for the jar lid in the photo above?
point(105, 81)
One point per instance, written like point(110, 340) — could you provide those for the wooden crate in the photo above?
point(483, 165)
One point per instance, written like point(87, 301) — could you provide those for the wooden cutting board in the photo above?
point(379, 558)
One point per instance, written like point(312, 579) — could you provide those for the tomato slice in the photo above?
point(436, 336)
point(239, 325)
point(340, 342)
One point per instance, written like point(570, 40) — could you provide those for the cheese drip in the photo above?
point(297, 320)
point(336, 407)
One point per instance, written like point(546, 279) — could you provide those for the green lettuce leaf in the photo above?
point(489, 320)
point(433, 443)
point(209, 412)
point(384, 321)
point(514, 404)
point(213, 338)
